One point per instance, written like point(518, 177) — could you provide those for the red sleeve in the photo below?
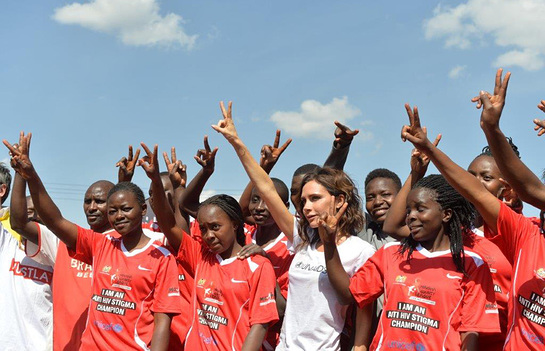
point(262, 299)
point(479, 309)
point(513, 231)
point(190, 253)
point(166, 295)
point(367, 284)
point(85, 245)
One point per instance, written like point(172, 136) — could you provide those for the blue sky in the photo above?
point(89, 78)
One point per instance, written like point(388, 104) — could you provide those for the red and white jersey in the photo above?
point(229, 297)
point(427, 302)
point(127, 288)
point(500, 270)
point(279, 255)
point(520, 238)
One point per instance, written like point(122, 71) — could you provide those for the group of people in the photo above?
point(440, 262)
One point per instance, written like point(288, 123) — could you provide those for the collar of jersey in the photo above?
point(271, 245)
point(223, 262)
point(136, 251)
point(426, 253)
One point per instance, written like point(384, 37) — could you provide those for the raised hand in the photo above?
point(206, 157)
point(226, 126)
point(150, 162)
point(327, 223)
point(127, 165)
point(420, 161)
point(20, 159)
point(413, 132)
point(251, 250)
point(493, 104)
point(540, 123)
point(270, 154)
point(344, 135)
point(176, 169)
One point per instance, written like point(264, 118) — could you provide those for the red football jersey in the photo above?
point(522, 242)
point(427, 302)
point(500, 270)
point(229, 297)
point(128, 287)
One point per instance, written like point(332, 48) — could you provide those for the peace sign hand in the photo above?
point(420, 161)
point(493, 104)
point(176, 169)
point(205, 157)
point(127, 165)
point(150, 163)
point(226, 125)
point(20, 159)
point(414, 133)
point(540, 124)
point(327, 223)
point(271, 154)
point(344, 135)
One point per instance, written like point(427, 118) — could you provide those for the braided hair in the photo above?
point(463, 214)
point(131, 188)
point(232, 209)
point(487, 152)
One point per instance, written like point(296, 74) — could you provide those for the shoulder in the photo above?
point(257, 262)
point(473, 257)
point(161, 250)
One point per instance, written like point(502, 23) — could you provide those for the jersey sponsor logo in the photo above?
point(201, 282)
point(421, 292)
point(238, 281)
point(181, 277)
point(308, 267)
point(118, 328)
point(405, 345)
point(536, 339)
point(497, 289)
point(208, 340)
point(173, 291)
point(265, 300)
point(452, 276)
point(211, 293)
point(400, 279)
point(106, 269)
point(121, 280)
point(84, 270)
point(30, 272)
point(540, 273)
point(144, 268)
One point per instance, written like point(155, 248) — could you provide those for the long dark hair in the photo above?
point(463, 214)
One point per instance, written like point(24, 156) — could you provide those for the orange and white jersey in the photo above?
point(229, 297)
point(127, 288)
point(427, 302)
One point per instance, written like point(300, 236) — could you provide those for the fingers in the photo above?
point(286, 144)
point(485, 100)
point(277, 139)
point(540, 127)
point(341, 126)
point(206, 145)
point(13, 151)
point(199, 161)
point(173, 154)
point(416, 117)
point(226, 114)
point(121, 162)
point(503, 89)
point(497, 83)
point(213, 153)
point(137, 154)
point(223, 111)
point(266, 151)
point(130, 152)
point(409, 113)
point(342, 210)
point(146, 149)
point(165, 157)
point(477, 99)
point(437, 139)
point(405, 130)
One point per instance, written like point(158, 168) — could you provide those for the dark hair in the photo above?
point(487, 152)
point(383, 173)
point(336, 183)
point(130, 187)
point(281, 189)
point(305, 169)
point(232, 209)
point(463, 215)
point(5, 178)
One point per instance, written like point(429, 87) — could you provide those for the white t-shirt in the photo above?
point(314, 318)
point(26, 321)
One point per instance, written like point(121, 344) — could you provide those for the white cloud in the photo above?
point(456, 71)
point(205, 194)
point(315, 120)
point(513, 24)
point(134, 22)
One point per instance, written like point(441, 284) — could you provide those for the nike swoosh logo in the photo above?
point(143, 268)
point(453, 276)
point(238, 281)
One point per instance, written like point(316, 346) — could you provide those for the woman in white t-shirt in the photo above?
point(314, 318)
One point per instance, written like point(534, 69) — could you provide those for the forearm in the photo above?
point(337, 157)
point(525, 183)
point(244, 201)
point(470, 341)
point(394, 224)
point(255, 337)
point(182, 218)
point(50, 213)
point(337, 275)
point(364, 321)
point(18, 211)
point(161, 332)
point(164, 214)
point(280, 301)
point(189, 201)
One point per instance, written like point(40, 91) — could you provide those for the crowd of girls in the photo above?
point(441, 262)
